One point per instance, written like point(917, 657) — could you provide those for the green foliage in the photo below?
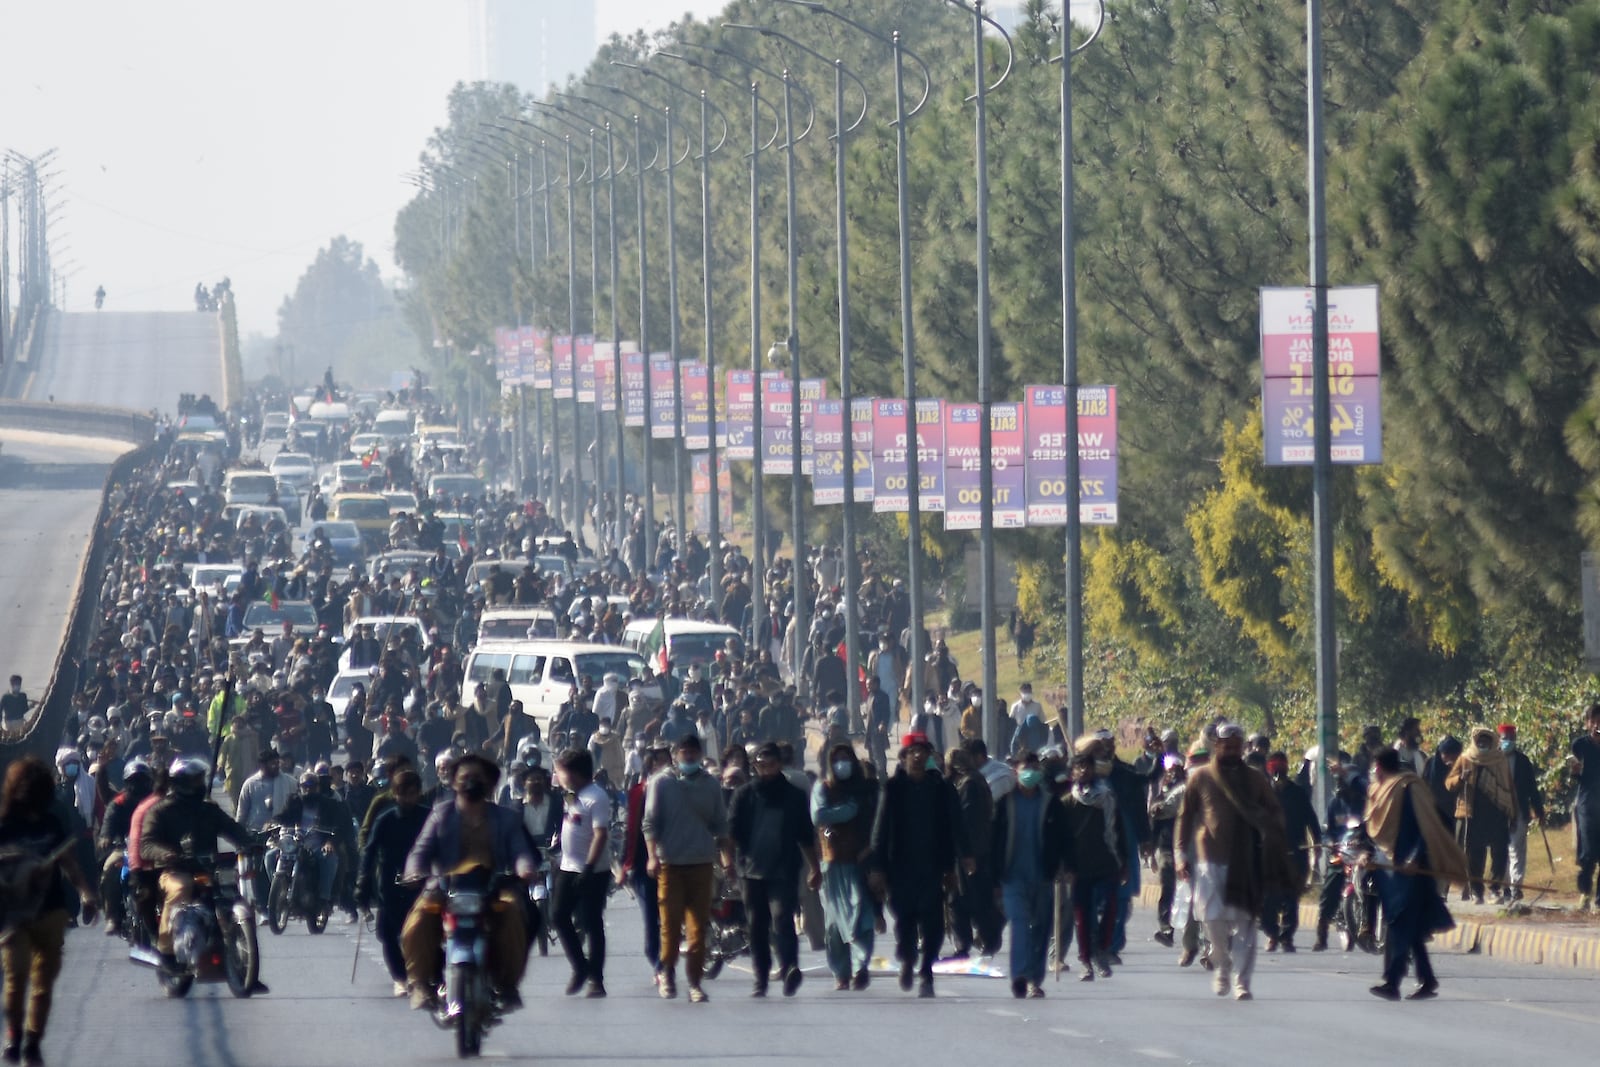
point(341, 315)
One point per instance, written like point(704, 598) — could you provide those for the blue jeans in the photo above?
point(644, 890)
point(1029, 907)
point(327, 871)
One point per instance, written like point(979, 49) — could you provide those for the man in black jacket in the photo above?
point(1133, 822)
point(769, 828)
point(1300, 821)
point(916, 842)
point(327, 820)
point(1530, 806)
point(389, 842)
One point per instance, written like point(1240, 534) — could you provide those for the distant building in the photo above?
point(530, 43)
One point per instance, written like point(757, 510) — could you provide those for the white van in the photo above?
point(393, 423)
point(678, 641)
point(516, 624)
point(542, 674)
point(249, 487)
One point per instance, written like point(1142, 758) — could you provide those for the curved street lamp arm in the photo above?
point(811, 104)
point(742, 86)
point(532, 144)
point(544, 135)
point(976, 11)
point(927, 76)
point(693, 94)
point(838, 64)
point(625, 118)
point(1066, 29)
point(688, 146)
point(582, 129)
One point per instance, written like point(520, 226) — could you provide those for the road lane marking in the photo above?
point(1065, 1032)
point(1157, 1053)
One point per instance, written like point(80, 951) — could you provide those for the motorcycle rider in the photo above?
point(466, 828)
point(136, 784)
point(393, 834)
point(325, 820)
point(185, 814)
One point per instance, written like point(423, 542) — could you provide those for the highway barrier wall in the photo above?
point(77, 420)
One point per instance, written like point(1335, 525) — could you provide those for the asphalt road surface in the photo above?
point(50, 488)
point(1309, 1008)
point(126, 359)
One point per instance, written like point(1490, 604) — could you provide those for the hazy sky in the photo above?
point(202, 139)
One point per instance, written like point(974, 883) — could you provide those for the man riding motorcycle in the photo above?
point(326, 820)
point(468, 830)
point(185, 813)
point(137, 781)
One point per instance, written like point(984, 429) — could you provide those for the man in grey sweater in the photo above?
point(685, 824)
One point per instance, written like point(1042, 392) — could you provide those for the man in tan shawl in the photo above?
point(1414, 850)
point(1486, 805)
point(1231, 827)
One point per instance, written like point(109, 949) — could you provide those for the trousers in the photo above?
point(1029, 907)
point(918, 905)
point(422, 941)
point(1095, 902)
point(32, 960)
point(1517, 853)
point(1233, 948)
point(769, 906)
point(577, 913)
point(393, 907)
point(685, 897)
point(644, 890)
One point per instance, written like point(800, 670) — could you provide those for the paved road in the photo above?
point(126, 359)
point(1309, 1008)
point(50, 493)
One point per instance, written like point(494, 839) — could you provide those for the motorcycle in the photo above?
point(293, 894)
point(214, 935)
point(1355, 919)
point(729, 936)
point(467, 1003)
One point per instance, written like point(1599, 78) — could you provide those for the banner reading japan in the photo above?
point(1045, 412)
point(586, 371)
point(561, 349)
point(1355, 424)
point(740, 405)
point(663, 410)
point(633, 388)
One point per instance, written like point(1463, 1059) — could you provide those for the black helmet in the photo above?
point(189, 776)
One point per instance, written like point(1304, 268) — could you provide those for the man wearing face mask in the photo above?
point(917, 842)
point(770, 832)
point(685, 822)
point(1232, 826)
point(466, 829)
point(1583, 763)
point(1530, 807)
point(14, 704)
point(578, 898)
point(326, 820)
point(389, 842)
point(1030, 837)
point(1133, 821)
point(1486, 803)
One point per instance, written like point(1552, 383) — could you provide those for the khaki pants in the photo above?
point(685, 895)
point(177, 889)
point(32, 961)
point(422, 941)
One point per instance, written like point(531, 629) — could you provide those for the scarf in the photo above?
point(1488, 774)
point(1098, 794)
point(1385, 806)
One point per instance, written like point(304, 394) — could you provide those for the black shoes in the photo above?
point(1385, 991)
point(861, 980)
point(791, 981)
point(925, 989)
point(1019, 988)
point(1425, 991)
point(1163, 937)
point(575, 985)
point(907, 976)
point(597, 989)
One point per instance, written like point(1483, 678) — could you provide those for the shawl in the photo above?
point(1484, 774)
point(1385, 805)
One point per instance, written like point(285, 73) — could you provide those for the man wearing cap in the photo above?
point(1231, 842)
point(916, 842)
point(1486, 802)
point(770, 832)
point(1302, 832)
point(1530, 807)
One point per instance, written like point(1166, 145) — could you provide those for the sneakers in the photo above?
point(667, 986)
point(1425, 991)
point(1241, 993)
point(1035, 991)
point(1287, 944)
point(423, 998)
point(697, 995)
point(861, 980)
point(1164, 937)
point(1102, 966)
point(400, 989)
point(759, 989)
point(925, 988)
point(1019, 988)
point(1188, 957)
point(1088, 973)
point(907, 976)
point(1385, 991)
point(791, 981)
point(597, 989)
point(1272, 944)
point(575, 985)
point(841, 985)
point(1220, 984)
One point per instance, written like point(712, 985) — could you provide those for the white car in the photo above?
point(295, 468)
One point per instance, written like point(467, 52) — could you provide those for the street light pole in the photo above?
point(1069, 376)
point(986, 583)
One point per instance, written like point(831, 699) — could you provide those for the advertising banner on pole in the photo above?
point(861, 441)
point(663, 410)
point(963, 466)
point(1045, 414)
point(890, 490)
point(811, 391)
point(1355, 423)
point(543, 360)
point(827, 452)
point(930, 455)
point(700, 488)
point(777, 448)
point(633, 389)
point(1010, 475)
point(605, 375)
point(561, 352)
point(524, 358)
point(586, 373)
point(696, 406)
point(738, 434)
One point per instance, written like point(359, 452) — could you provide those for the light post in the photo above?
point(526, 464)
point(841, 132)
point(992, 712)
point(1069, 373)
point(706, 152)
point(507, 139)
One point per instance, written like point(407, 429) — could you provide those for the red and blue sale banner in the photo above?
point(930, 455)
point(605, 375)
point(861, 436)
point(1045, 412)
point(964, 463)
point(663, 410)
point(891, 491)
point(811, 390)
point(738, 433)
point(634, 392)
point(827, 452)
point(561, 352)
point(1288, 382)
point(777, 437)
point(584, 347)
point(700, 488)
point(696, 406)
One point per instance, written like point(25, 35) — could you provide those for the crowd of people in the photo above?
point(748, 776)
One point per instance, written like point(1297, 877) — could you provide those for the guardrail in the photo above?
point(81, 420)
point(43, 733)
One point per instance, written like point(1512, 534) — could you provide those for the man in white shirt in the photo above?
point(1026, 706)
point(578, 898)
